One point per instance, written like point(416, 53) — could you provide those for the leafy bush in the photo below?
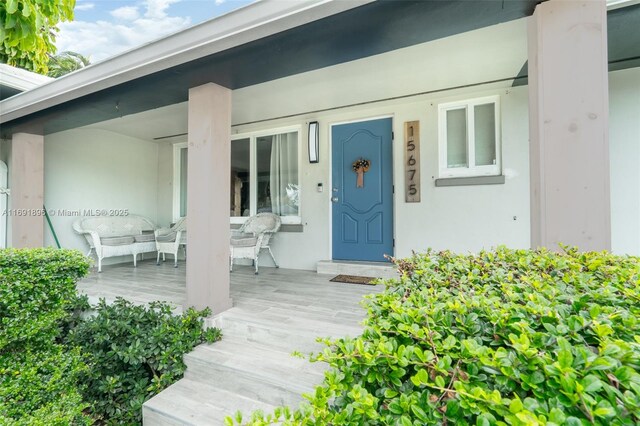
point(56, 368)
point(41, 388)
point(514, 337)
point(37, 288)
point(134, 352)
point(38, 377)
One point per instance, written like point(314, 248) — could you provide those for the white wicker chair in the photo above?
point(253, 236)
point(169, 240)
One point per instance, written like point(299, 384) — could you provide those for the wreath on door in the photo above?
point(360, 167)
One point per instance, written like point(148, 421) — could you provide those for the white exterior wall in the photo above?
point(624, 146)
point(463, 218)
point(97, 169)
point(109, 170)
point(459, 218)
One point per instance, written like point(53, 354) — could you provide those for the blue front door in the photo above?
point(362, 215)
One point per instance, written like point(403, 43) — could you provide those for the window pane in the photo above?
point(183, 182)
point(240, 189)
point(277, 164)
point(485, 134)
point(457, 138)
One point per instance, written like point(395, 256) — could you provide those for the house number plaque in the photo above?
point(412, 161)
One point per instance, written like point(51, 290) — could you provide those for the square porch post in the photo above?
point(26, 181)
point(568, 125)
point(208, 192)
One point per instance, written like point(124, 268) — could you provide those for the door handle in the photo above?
point(334, 199)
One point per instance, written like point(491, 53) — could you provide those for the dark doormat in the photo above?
point(353, 279)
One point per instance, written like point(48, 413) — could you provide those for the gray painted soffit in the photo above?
point(359, 32)
point(623, 32)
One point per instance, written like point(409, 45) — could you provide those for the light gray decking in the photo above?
point(274, 314)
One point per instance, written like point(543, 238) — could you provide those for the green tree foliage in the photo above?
point(505, 337)
point(66, 62)
point(28, 29)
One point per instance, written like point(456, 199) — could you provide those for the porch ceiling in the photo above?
point(496, 52)
point(361, 32)
point(623, 32)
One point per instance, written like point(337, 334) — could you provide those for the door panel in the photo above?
point(362, 216)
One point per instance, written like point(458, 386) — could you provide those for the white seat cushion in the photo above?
point(116, 241)
point(244, 242)
point(145, 237)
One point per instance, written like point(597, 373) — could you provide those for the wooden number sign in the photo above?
point(412, 161)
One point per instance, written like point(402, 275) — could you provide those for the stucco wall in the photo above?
point(90, 168)
point(624, 140)
point(97, 169)
point(459, 218)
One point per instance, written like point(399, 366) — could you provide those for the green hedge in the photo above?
point(132, 353)
point(60, 368)
point(38, 376)
point(505, 337)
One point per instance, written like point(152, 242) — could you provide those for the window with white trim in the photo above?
point(264, 176)
point(179, 180)
point(469, 138)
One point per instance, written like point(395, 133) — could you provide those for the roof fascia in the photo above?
point(253, 22)
point(21, 79)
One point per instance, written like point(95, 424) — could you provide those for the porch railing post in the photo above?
point(26, 180)
point(208, 192)
point(568, 125)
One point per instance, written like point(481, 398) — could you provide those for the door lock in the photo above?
point(334, 199)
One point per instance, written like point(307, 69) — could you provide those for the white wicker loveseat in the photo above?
point(111, 236)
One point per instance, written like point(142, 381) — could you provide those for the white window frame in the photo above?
point(4, 200)
point(176, 179)
point(471, 169)
point(253, 175)
point(253, 172)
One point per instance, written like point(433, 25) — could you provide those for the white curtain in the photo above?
point(183, 182)
point(284, 174)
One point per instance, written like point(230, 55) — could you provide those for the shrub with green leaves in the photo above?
point(38, 376)
point(37, 288)
point(504, 337)
point(132, 353)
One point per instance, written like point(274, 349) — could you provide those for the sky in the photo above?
point(103, 28)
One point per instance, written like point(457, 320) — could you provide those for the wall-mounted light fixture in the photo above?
point(314, 142)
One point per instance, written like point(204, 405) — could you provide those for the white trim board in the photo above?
point(176, 179)
point(3, 204)
point(21, 79)
point(253, 22)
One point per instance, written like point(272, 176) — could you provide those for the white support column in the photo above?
point(208, 192)
point(26, 182)
point(568, 125)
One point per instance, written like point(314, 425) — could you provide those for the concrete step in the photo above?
point(382, 270)
point(252, 367)
point(256, 372)
point(282, 332)
point(194, 403)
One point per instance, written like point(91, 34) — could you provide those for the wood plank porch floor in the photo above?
point(273, 314)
